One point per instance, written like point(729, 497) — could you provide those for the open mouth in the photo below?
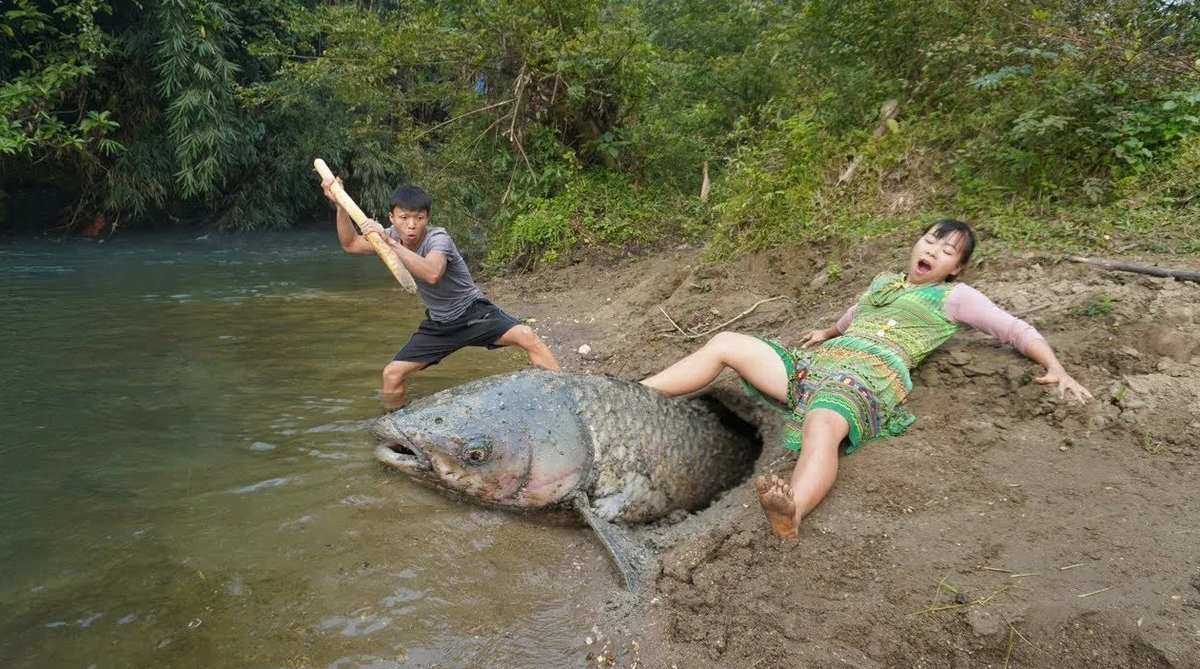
point(402, 455)
point(923, 266)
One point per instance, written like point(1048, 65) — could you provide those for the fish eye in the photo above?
point(476, 454)
point(438, 420)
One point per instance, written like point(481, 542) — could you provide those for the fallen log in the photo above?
point(1180, 274)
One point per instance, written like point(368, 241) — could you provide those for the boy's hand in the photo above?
point(371, 225)
point(327, 188)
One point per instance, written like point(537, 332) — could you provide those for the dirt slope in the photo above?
point(1006, 528)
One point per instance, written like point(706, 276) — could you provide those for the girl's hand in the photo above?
point(1065, 384)
point(816, 337)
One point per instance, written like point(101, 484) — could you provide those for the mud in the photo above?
point(1006, 528)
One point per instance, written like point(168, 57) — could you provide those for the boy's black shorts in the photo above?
point(480, 325)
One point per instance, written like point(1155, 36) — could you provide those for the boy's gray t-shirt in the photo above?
point(450, 297)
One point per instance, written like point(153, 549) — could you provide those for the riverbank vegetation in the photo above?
point(545, 127)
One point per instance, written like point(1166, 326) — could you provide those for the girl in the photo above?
point(850, 380)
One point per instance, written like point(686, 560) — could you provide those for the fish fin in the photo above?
point(618, 542)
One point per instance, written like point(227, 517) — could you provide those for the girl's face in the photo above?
point(933, 260)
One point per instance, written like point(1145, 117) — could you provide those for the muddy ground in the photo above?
point(1006, 528)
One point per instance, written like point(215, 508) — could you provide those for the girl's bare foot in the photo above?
point(775, 495)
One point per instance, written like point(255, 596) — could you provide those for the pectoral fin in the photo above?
point(621, 546)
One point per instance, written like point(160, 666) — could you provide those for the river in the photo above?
point(186, 473)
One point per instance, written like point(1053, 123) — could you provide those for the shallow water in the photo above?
point(186, 475)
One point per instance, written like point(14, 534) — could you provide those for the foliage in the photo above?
point(599, 209)
point(50, 50)
point(196, 78)
point(545, 127)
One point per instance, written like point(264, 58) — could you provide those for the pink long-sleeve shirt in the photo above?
point(967, 306)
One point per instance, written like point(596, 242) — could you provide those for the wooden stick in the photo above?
point(1180, 274)
point(386, 254)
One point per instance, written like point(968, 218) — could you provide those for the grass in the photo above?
point(1099, 305)
point(1151, 445)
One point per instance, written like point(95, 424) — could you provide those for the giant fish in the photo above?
point(614, 450)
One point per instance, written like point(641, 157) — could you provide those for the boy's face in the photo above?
point(410, 224)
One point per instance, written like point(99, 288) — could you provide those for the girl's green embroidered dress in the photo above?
point(863, 374)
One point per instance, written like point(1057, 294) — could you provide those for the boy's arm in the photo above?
point(348, 237)
point(428, 269)
point(351, 241)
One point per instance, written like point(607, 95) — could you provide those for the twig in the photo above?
point(668, 317)
point(1096, 592)
point(980, 601)
point(1014, 628)
point(1180, 274)
point(473, 111)
point(1023, 575)
point(1071, 566)
point(1002, 571)
point(731, 320)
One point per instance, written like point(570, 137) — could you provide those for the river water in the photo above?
point(186, 473)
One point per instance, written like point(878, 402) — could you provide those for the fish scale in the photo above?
point(658, 454)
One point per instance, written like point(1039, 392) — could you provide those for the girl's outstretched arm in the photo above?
point(1040, 352)
point(966, 305)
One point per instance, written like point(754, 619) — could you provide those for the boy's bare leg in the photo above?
point(785, 504)
point(753, 359)
point(526, 338)
point(394, 375)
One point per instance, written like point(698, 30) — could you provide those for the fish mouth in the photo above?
point(402, 454)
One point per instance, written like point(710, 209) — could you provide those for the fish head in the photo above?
point(510, 440)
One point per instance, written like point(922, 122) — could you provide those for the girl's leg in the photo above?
point(753, 359)
point(785, 504)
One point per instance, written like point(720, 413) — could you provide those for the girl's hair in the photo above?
point(949, 226)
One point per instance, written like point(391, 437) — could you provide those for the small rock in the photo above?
point(585, 349)
point(741, 539)
point(1179, 316)
point(983, 622)
point(960, 358)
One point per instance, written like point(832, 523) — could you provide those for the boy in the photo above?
point(456, 312)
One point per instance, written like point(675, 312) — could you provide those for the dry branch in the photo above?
point(695, 335)
point(1180, 274)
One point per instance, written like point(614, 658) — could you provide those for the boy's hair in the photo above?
point(410, 198)
point(949, 226)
